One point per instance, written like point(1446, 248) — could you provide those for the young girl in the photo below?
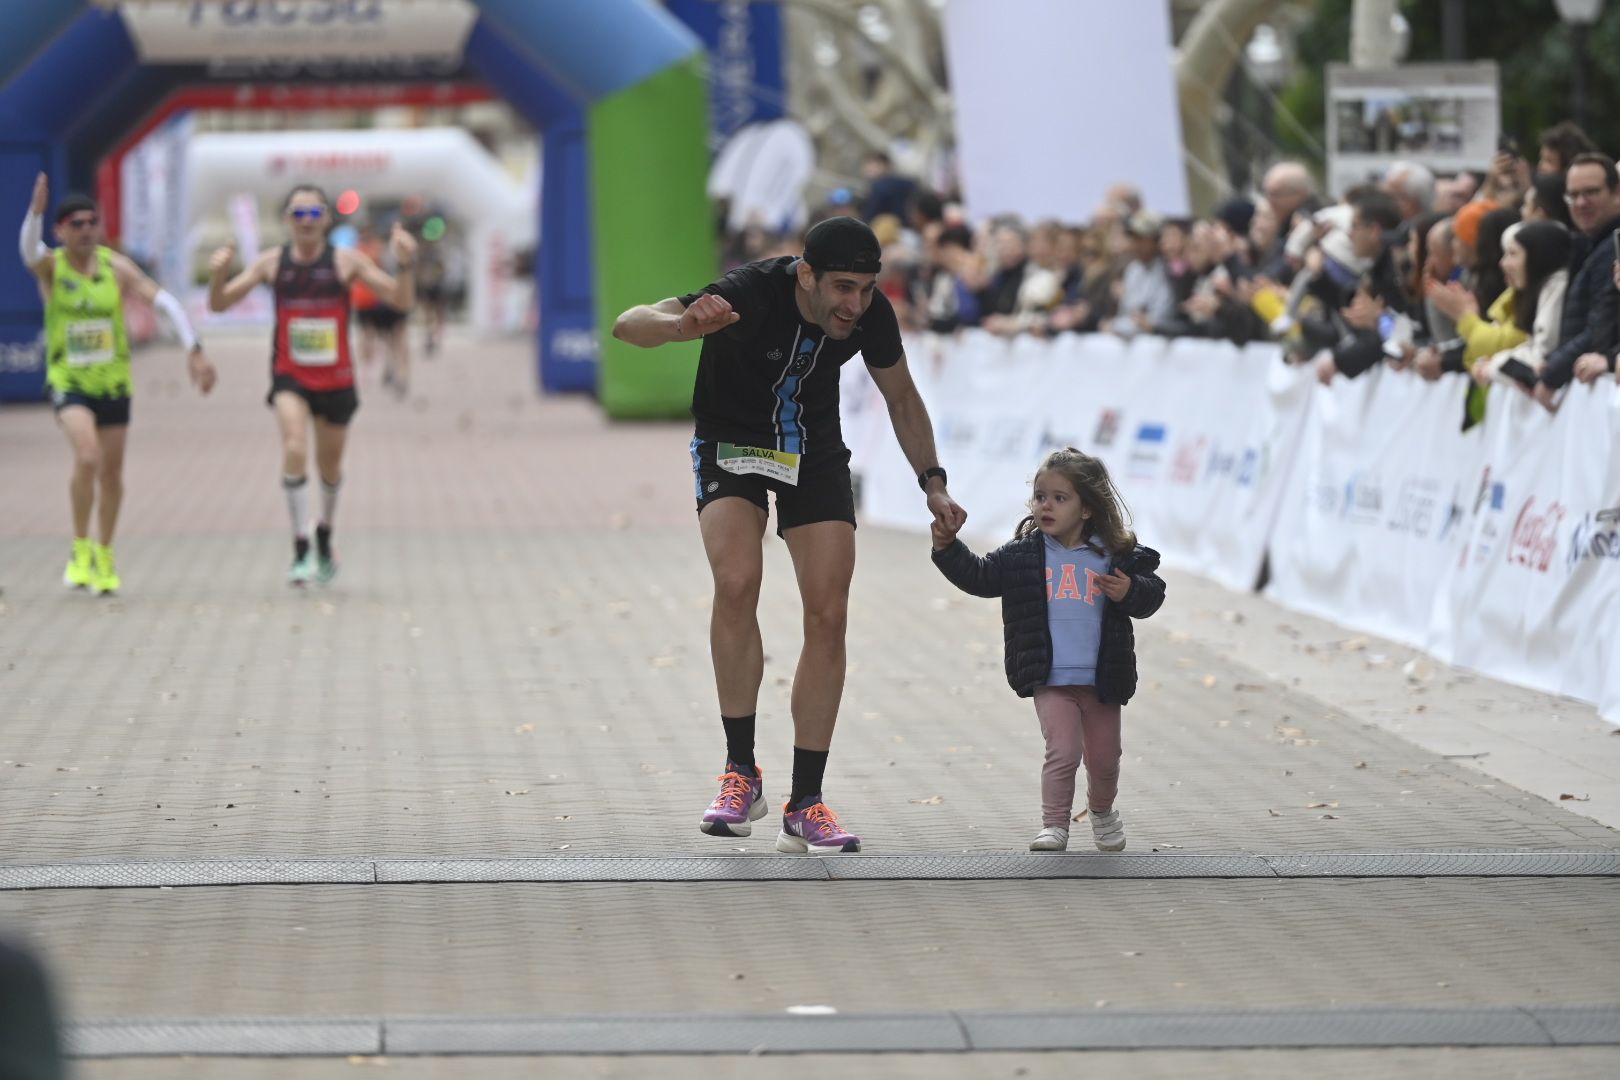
point(1070, 581)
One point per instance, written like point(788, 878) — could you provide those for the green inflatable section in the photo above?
point(654, 238)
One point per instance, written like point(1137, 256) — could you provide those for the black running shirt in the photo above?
point(771, 379)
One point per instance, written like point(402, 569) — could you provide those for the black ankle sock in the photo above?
point(740, 741)
point(300, 547)
point(809, 768)
point(323, 540)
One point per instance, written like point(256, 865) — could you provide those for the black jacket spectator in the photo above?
point(1016, 572)
point(1590, 309)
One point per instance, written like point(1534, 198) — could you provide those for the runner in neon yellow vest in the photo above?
point(83, 286)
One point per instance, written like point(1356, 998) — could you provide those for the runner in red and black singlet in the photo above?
point(311, 365)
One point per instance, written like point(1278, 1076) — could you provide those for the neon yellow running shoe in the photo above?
point(106, 580)
point(81, 568)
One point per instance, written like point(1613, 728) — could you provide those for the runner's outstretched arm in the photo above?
point(222, 293)
point(31, 241)
point(133, 279)
point(915, 433)
point(651, 325)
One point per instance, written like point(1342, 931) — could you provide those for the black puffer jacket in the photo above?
point(1016, 572)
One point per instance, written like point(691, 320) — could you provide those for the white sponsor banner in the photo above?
point(1533, 589)
point(182, 31)
point(1198, 436)
point(1497, 549)
point(1374, 509)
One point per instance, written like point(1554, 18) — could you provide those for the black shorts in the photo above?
point(108, 411)
point(823, 493)
point(381, 318)
point(333, 406)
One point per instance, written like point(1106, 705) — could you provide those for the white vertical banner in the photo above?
point(1104, 69)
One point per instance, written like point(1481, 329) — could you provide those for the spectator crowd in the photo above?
point(1506, 276)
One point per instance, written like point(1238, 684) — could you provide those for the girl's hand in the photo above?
point(943, 537)
point(1115, 585)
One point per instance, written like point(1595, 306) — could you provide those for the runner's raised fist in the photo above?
point(220, 260)
point(404, 245)
point(42, 195)
point(707, 314)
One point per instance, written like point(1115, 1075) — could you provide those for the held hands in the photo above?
point(948, 518)
point(707, 314)
point(1115, 585)
point(42, 195)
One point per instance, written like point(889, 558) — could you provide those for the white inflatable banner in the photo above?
point(1498, 549)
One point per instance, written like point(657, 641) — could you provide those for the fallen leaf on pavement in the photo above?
point(932, 800)
point(523, 729)
point(518, 791)
point(1323, 806)
point(1328, 817)
point(1081, 816)
point(1209, 681)
point(1574, 798)
point(1273, 813)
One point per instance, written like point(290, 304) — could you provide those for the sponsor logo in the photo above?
point(1184, 466)
point(1253, 466)
point(1535, 535)
point(1596, 536)
point(371, 161)
point(22, 356)
point(1363, 500)
point(575, 345)
point(1148, 450)
point(1417, 505)
point(774, 355)
point(713, 486)
point(286, 12)
point(801, 363)
point(1107, 428)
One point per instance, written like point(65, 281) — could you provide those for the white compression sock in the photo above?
point(329, 494)
point(297, 489)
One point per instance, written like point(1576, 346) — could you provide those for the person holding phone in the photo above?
point(1535, 258)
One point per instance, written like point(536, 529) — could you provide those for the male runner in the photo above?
point(766, 404)
point(311, 366)
point(83, 285)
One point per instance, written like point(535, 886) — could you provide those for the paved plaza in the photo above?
point(508, 685)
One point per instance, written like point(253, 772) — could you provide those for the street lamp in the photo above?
point(1579, 15)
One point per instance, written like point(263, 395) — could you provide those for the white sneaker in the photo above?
point(1108, 831)
point(1051, 838)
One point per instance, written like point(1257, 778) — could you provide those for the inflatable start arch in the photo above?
point(616, 86)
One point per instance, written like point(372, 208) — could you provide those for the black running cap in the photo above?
point(73, 204)
point(843, 244)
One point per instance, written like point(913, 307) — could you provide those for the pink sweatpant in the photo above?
point(1078, 728)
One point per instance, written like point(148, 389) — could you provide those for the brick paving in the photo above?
point(514, 662)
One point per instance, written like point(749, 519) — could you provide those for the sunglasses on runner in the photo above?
point(307, 213)
point(82, 222)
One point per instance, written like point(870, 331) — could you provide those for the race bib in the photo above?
point(742, 460)
point(89, 341)
point(313, 342)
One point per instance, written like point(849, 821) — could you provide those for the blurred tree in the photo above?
point(1525, 38)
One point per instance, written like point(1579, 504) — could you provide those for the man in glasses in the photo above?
point(311, 366)
point(1592, 189)
point(83, 286)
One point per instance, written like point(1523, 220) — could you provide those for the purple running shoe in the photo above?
point(814, 829)
point(741, 802)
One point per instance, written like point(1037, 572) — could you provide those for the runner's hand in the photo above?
point(947, 515)
point(707, 314)
point(220, 261)
point(403, 245)
point(201, 370)
point(1115, 585)
point(42, 195)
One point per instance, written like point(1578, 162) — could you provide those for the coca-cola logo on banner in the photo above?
point(1535, 535)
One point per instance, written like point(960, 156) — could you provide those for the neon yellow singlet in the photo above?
point(86, 347)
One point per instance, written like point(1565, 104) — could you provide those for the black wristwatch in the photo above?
point(928, 474)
